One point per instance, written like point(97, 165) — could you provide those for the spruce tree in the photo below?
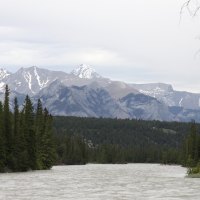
point(23, 161)
point(47, 144)
point(8, 130)
point(29, 132)
point(19, 148)
point(39, 124)
point(16, 140)
point(26, 140)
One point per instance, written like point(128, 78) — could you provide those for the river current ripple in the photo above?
point(101, 182)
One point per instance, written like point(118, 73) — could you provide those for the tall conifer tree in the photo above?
point(29, 132)
point(23, 161)
point(8, 130)
point(25, 137)
point(16, 136)
point(47, 144)
point(39, 124)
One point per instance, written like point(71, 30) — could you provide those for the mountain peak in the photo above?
point(28, 69)
point(4, 73)
point(85, 71)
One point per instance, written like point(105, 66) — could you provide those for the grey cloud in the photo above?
point(130, 40)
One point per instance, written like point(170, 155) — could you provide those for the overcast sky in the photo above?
point(136, 41)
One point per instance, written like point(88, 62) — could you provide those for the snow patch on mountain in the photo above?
point(28, 79)
point(43, 83)
point(86, 93)
point(4, 73)
point(85, 71)
point(153, 92)
point(2, 86)
point(180, 102)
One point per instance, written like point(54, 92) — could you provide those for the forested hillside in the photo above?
point(121, 141)
point(31, 139)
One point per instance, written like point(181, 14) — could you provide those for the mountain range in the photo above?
point(85, 93)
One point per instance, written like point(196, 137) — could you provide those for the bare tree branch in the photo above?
point(187, 6)
point(193, 7)
point(197, 10)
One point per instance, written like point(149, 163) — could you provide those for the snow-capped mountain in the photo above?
point(4, 73)
point(85, 71)
point(31, 80)
point(83, 92)
point(140, 106)
point(166, 94)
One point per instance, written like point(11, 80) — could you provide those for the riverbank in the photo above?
point(194, 172)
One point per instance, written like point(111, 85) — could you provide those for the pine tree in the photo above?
point(8, 130)
point(16, 139)
point(39, 121)
point(29, 132)
point(26, 140)
point(23, 161)
point(47, 144)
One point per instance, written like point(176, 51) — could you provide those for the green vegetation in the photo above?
point(119, 141)
point(26, 141)
point(191, 150)
point(31, 140)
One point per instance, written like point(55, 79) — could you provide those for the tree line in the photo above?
point(119, 141)
point(31, 139)
point(26, 140)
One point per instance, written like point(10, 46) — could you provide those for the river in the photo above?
point(106, 182)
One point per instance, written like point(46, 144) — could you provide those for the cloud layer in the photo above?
point(135, 41)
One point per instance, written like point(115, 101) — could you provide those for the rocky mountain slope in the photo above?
point(84, 92)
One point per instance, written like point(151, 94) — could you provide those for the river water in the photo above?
point(106, 182)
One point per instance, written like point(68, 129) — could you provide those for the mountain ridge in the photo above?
point(84, 92)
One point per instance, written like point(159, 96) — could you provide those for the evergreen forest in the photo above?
point(26, 139)
point(31, 139)
point(124, 141)
point(191, 150)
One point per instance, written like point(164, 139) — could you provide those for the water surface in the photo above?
point(106, 182)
